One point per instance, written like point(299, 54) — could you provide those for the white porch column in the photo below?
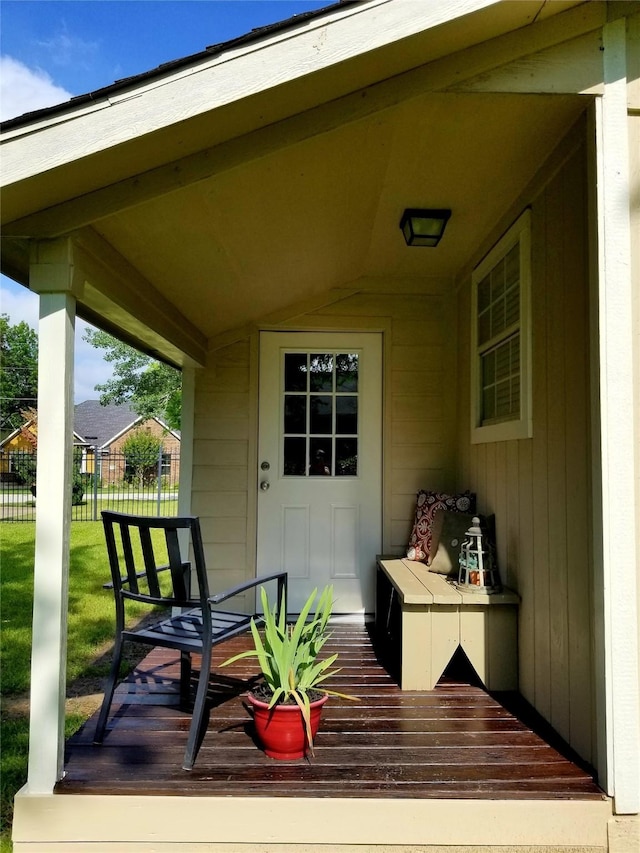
point(620, 552)
point(51, 274)
point(187, 418)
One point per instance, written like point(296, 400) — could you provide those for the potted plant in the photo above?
point(287, 705)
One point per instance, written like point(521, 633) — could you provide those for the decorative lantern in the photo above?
point(478, 572)
point(424, 227)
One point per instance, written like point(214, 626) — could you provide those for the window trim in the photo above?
point(522, 427)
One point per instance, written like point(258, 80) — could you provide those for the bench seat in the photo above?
point(422, 618)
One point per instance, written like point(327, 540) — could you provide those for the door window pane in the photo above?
point(321, 420)
point(347, 372)
point(295, 413)
point(321, 371)
point(295, 371)
point(320, 465)
point(295, 455)
point(346, 457)
point(347, 415)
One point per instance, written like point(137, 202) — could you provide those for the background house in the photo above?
point(100, 430)
point(21, 440)
point(105, 429)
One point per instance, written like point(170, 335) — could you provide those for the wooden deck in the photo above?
point(455, 741)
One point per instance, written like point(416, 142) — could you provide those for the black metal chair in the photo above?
point(137, 558)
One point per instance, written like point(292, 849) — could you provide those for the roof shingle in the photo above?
point(98, 424)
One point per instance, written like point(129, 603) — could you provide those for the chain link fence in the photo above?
point(101, 480)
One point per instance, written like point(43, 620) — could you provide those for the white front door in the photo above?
point(319, 475)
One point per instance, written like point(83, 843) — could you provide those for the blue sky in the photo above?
point(53, 49)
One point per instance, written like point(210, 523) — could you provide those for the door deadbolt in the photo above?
point(265, 465)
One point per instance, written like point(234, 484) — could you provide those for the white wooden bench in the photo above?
point(421, 619)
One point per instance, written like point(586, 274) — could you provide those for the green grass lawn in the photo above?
point(91, 625)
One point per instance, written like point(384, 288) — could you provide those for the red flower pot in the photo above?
point(281, 729)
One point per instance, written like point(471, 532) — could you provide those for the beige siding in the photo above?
point(418, 422)
point(634, 149)
point(222, 432)
point(539, 489)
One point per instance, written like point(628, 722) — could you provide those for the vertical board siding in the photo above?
point(542, 375)
point(524, 573)
point(221, 463)
point(557, 305)
point(419, 440)
point(578, 444)
point(539, 489)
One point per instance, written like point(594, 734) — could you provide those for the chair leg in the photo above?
point(198, 720)
point(109, 690)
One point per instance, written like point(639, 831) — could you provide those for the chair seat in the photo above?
point(184, 631)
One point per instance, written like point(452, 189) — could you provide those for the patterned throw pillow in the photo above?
point(428, 503)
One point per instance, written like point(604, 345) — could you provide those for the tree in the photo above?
point(151, 388)
point(18, 371)
point(141, 452)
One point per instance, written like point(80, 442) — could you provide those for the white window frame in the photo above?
point(522, 427)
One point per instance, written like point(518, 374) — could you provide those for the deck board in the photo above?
point(455, 741)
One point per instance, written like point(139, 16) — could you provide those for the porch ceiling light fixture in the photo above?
point(423, 227)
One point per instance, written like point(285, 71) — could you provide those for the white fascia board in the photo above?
point(209, 84)
point(166, 428)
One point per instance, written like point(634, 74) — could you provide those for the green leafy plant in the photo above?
point(23, 464)
point(141, 451)
point(77, 482)
point(288, 654)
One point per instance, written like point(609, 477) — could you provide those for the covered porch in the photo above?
point(253, 194)
point(451, 765)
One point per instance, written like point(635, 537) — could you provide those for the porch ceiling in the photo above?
point(212, 224)
point(324, 213)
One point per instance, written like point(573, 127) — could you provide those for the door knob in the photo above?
point(264, 485)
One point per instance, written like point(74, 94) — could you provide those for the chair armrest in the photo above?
point(229, 593)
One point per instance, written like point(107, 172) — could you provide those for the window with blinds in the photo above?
point(501, 339)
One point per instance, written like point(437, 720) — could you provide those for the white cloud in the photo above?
point(24, 89)
point(19, 303)
point(65, 49)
